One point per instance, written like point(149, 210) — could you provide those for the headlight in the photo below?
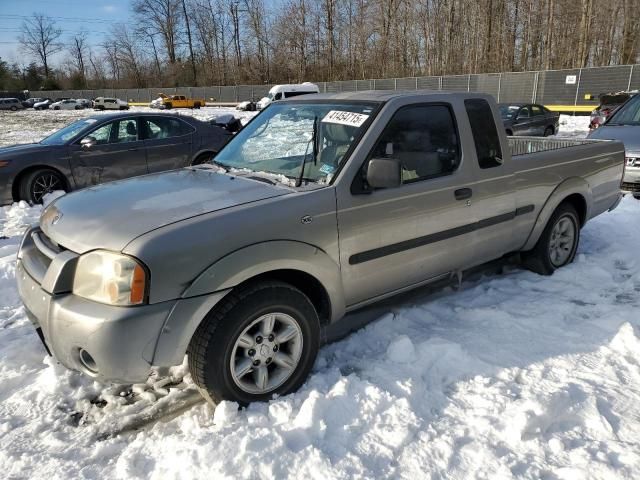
point(110, 278)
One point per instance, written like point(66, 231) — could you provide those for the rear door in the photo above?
point(118, 153)
point(168, 141)
point(395, 238)
point(522, 125)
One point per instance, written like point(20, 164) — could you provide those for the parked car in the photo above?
point(29, 102)
point(316, 208)
point(608, 104)
point(247, 106)
point(12, 104)
point(281, 92)
point(104, 148)
point(86, 103)
point(106, 103)
point(176, 101)
point(528, 119)
point(624, 125)
point(66, 105)
point(228, 122)
point(43, 105)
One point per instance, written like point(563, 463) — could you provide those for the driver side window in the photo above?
point(424, 139)
point(102, 134)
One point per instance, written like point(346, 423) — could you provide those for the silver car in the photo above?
point(318, 207)
point(624, 125)
point(12, 104)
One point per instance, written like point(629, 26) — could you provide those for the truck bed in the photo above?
point(526, 145)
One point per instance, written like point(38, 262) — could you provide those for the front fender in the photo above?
point(211, 286)
point(570, 186)
point(253, 260)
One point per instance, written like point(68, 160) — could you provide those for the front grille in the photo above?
point(630, 187)
point(37, 254)
point(633, 161)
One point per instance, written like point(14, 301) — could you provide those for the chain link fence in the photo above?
point(551, 87)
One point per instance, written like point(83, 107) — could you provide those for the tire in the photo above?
point(38, 183)
point(509, 133)
point(541, 259)
point(56, 108)
point(203, 158)
point(168, 105)
point(196, 105)
point(100, 107)
point(548, 131)
point(77, 107)
point(13, 109)
point(636, 196)
point(216, 346)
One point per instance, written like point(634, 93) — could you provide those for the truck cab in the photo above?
point(317, 208)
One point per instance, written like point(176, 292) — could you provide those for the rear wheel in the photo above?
point(509, 133)
point(196, 105)
point(558, 243)
point(14, 108)
point(548, 131)
point(35, 185)
point(258, 342)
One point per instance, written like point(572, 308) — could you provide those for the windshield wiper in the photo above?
point(314, 151)
point(226, 168)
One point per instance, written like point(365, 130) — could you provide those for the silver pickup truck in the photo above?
point(318, 207)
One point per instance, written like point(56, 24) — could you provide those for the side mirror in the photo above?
point(87, 142)
point(384, 173)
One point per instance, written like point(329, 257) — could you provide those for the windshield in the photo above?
point(278, 140)
point(508, 111)
point(627, 114)
point(270, 96)
point(65, 134)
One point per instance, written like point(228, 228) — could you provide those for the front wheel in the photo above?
point(35, 185)
point(558, 243)
point(548, 131)
point(258, 342)
point(13, 109)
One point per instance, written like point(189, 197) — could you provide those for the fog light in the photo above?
point(87, 361)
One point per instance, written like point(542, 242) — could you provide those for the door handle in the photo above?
point(463, 193)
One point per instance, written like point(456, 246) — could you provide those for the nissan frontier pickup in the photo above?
point(321, 205)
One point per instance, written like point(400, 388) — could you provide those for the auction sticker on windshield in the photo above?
point(345, 118)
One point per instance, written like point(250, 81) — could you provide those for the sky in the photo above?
point(95, 17)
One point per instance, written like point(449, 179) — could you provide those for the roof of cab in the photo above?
point(382, 95)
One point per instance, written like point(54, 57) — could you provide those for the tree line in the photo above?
point(230, 42)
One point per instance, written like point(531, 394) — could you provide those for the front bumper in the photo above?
point(123, 342)
point(631, 180)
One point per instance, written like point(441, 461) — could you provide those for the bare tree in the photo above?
point(40, 37)
point(78, 49)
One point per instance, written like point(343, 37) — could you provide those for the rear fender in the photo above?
point(570, 186)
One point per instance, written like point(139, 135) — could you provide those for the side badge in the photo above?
point(306, 220)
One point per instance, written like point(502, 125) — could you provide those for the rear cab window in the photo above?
point(485, 133)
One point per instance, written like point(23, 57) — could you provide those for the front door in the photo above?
point(393, 238)
point(116, 152)
point(168, 142)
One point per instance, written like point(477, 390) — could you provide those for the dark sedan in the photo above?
point(103, 148)
point(528, 119)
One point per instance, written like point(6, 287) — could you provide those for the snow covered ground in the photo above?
point(514, 376)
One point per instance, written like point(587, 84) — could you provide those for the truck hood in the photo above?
point(111, 215)
point(627, 134)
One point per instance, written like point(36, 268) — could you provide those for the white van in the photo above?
point(280, 92)
point(104, 103)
